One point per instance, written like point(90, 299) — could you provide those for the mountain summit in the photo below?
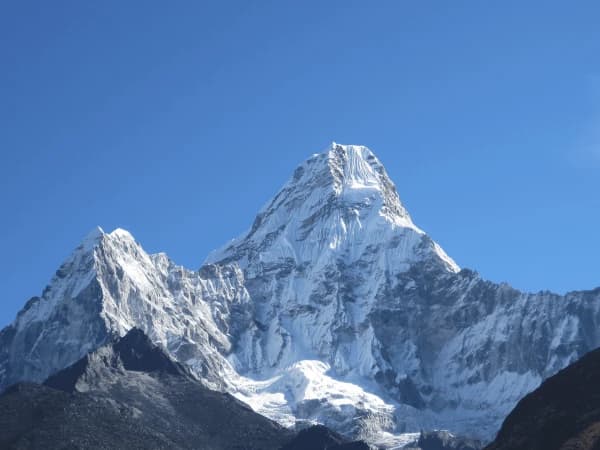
point(333, 308)
point(337, 203)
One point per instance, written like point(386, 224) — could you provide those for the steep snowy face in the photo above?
point(110, 285)
point(316, 259)
point(338, 202)
point(55, 329)
point(338, 273)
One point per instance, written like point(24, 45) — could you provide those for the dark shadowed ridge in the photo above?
point(130, 394)
point(133, 352)
point(444, 440)
point(138, 353)
point(562, 414)
point(319, 437)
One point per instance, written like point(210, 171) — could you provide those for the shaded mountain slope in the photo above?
point(130, 395)
point(34, 416)
point(562, 414)
point(319, 437)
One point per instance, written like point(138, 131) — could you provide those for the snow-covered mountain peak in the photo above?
point(334, 307)
point(121, 233)
point(97, 237)
point(80, 270)
point(307, 254)
point(347, 180)
point(92, 239)
point(337, 204)
point(352, 172)
point(360, 177)
point(354, 166)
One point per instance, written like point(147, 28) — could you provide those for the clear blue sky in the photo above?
point(178, 120)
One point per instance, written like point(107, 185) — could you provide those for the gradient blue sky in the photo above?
point(178, 120)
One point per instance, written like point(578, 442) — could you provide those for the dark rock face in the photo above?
point(319, 437)
point(443, 440)
point(39, 417)
point(562, 414)
point(133, 352)
point(139, 354)
point(130, 395)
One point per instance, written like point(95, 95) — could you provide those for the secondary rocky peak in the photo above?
point(137, 352)
point(102, 401)
point(133, 352)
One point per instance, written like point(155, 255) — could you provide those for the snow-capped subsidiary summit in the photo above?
point(110, 285)
point(334, 307)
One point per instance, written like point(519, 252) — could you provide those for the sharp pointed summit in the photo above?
point(92, 238)
point(337, 202)
point(360, 176)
